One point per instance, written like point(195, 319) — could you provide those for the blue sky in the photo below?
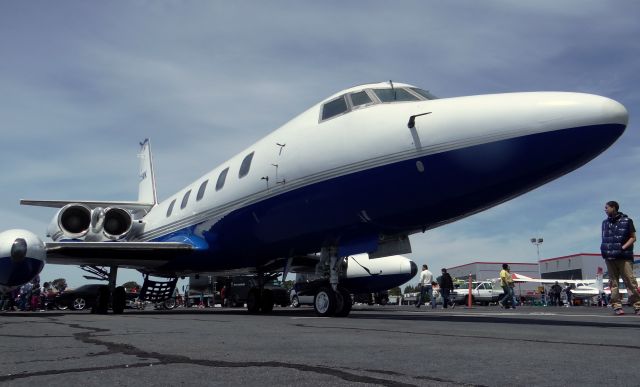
point(81, 83)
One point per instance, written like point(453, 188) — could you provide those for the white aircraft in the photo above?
point(357, 173)
point(584, 289)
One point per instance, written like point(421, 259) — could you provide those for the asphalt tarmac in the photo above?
point(388, 346)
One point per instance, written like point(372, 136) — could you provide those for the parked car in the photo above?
point(240, 286)
point(304, 292)
point(83, 297)
point(483, 292)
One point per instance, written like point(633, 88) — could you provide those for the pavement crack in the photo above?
point(425, 378)
point(91, 335)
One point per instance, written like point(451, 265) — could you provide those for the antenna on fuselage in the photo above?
point(395, 97)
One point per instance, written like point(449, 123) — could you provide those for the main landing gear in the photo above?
point(116, 297)
point(332, 300)
point(108, 294)
point(260, 300)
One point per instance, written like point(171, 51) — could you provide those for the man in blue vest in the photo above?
point(618, 236)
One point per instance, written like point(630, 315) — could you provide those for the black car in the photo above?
point(238, 292)
point(83, 297)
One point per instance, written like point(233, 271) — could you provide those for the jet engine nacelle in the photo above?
point(78, 221)
point(71, 222)
point(22, 257)
point(117, 223)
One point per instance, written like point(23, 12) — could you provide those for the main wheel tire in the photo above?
point(253, 300)
point(119, 300)
point(344, 306)
point(266, 301)
point(102, 300)
point(79, 303)
point(325, 302)
point(295, 302)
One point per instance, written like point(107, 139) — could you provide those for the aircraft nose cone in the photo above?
point(613, 111)
point(579, 109)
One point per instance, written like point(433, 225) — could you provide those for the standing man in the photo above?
point(618, 236)
point(426, 277)
point(556, 289)
point(446, 286)
point(507, 287)
point(567, 290)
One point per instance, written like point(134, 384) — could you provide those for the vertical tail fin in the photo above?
point(147, 186)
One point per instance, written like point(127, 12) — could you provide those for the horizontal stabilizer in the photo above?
point(132, 255)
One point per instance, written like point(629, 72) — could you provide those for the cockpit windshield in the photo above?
point(424, 93)
point(349, 102)
point(394, 95)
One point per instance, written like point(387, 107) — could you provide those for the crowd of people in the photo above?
point(443, 283)
point(29, 297)
point(618, 238)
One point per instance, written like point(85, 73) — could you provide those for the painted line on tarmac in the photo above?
point(308, 317)
point(497, 314)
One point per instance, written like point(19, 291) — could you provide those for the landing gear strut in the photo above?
point(260, 299)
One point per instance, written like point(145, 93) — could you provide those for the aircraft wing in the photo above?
point(90, 203)
point(133, 255)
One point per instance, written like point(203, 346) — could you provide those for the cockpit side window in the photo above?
point(424, 93)
point(394, 95)
point(334, 108)
point(360, 98)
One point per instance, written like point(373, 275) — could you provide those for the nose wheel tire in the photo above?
point(325, 302)
point(344, 304)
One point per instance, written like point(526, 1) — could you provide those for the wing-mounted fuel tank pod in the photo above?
point(365, 274)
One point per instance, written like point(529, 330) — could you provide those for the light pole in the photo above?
point(537, 242)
